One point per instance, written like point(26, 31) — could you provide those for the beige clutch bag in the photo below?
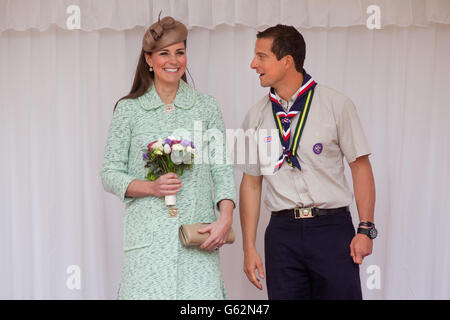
point(190, 237)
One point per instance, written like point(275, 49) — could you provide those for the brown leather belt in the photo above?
point(302, 213)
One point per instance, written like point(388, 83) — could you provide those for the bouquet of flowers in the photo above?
point(172, 154)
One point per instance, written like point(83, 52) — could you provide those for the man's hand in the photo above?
point(252, 261)
point(360, 247)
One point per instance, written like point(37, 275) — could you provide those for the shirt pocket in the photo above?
point(319, 145)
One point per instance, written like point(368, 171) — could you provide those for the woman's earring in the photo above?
point(150, 69)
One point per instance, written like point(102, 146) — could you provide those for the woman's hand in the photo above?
point(220, 229)
point(166, 185)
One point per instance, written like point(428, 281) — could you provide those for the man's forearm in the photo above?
point(364, 188)
point(249, 205)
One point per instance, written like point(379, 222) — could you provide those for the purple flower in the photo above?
point(185, 143)
point(168, 141)
point(144, 155)
point(192, 145)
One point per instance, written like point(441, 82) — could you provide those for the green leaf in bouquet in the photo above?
point(151, 176)
point(170, 164)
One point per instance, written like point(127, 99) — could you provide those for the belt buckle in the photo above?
point(301, 213)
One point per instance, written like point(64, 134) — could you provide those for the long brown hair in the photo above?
point(143, 79)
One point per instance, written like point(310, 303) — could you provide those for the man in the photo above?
point(311, 249)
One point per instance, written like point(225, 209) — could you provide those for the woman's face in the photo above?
point(169, 63)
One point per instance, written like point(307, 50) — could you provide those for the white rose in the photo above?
point(189, 149)
point(167, 148)
point(177, 147)
point(177, 157)
point(158, 146)
point(187, 158)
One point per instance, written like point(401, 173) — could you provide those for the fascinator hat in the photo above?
point(163, 33)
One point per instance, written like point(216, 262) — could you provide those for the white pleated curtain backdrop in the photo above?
point(126, 14)
point(57, 92)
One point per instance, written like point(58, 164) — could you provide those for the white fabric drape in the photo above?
point(57, 91)
point(127, 14)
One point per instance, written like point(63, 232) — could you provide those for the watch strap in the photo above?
point(367, 224)
point(368, 232)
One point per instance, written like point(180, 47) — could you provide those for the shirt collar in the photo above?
point(288, 104)
point(184, 98)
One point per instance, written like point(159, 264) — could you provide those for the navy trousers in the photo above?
point(310, 258)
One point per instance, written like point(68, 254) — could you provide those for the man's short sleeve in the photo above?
point(246, 147)
point(352, 140)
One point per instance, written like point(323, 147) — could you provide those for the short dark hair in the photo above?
point(286, 41)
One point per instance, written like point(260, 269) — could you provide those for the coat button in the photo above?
point(169, 108)
point(173, 212)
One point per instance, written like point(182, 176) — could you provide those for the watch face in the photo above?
point(373, 233)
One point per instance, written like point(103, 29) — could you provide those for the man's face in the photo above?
point(270, 70)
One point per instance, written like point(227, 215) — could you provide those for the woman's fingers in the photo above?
point(170, 193)
point(169, 180)
point(205, 229)
point(211, 242)
point(170, 187)
point(217, 238)
point(170, 175)
point(169, 184)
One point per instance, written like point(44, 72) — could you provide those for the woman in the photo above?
point(155, 263)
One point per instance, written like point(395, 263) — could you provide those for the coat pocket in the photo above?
point(138, 226)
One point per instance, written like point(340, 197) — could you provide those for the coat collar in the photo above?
point(184, 98)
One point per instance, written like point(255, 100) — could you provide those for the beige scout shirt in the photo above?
point(332, 131)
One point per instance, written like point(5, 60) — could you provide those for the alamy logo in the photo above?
point(374, 279)
point(74, 20)
point(73, 281)
point(374, 20)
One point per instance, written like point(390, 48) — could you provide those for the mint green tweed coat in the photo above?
point(155, 263)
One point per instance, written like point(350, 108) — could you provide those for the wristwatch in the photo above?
point(371, 232)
